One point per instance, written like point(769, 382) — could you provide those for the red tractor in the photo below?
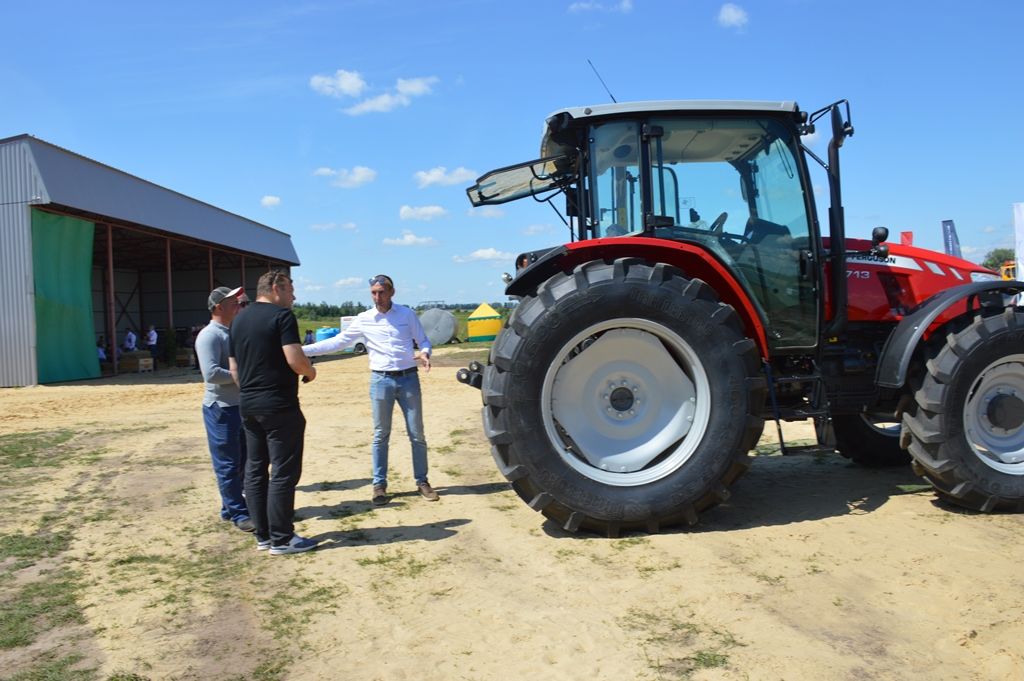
point(698, 297)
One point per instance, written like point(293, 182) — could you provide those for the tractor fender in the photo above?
point(695, 262)
point(905, 338)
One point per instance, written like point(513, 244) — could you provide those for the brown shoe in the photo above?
point(380, 495)
point(427, 492)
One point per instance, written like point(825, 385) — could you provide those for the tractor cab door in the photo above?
point(736, 186)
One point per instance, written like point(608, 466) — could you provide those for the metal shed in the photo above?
point(87, 250)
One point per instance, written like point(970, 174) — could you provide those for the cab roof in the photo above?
point(677, 105)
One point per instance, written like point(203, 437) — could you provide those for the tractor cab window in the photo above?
point(615, 179)
point(733, 186)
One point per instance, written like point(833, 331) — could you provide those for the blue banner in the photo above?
point(950, 239)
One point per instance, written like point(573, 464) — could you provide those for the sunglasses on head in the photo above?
point(381, 279)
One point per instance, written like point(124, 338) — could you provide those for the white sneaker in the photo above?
point(262, 544)
point(296, 544)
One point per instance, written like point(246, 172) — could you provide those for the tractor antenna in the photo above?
point(602, 82)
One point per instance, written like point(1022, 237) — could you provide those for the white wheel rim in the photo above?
point(998, 442)
point(631, 396)
point(883, 424)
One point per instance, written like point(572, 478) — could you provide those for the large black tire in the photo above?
point(869, 440)
point(965, 426)
point(623, 396)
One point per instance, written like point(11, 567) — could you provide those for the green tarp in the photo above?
point(62, 265)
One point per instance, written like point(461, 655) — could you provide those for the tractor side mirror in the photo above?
point(878, 235)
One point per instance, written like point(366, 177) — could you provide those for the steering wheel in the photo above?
point(719, 222)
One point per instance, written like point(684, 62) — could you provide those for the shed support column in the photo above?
point(209, 264)
point(170, 288)
point(111, 312)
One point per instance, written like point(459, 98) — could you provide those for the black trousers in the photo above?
point(272, 470)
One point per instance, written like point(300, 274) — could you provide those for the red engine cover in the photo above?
point(885, 290)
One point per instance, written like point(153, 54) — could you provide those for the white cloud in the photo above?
point(341, 84)
point(484, 254)
point(537, 229)
point(330, 226)
point(421, 212)
point(348, 282)
point(441, 176)
point(486, 212)
point(624, 6)
point(269, 201)
point(402, 95)
point(348, 179)
point(989, 230)
point(313, 287)
point(732, 16)
point(415, 87)
point(410, 239)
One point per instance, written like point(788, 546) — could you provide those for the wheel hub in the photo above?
point(621, 398)
point(1005, 412)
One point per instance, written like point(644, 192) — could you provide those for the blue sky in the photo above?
point(356, 126)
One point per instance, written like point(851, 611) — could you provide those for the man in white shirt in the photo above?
point(151, 339)
point(387, 331)
point(129, 340)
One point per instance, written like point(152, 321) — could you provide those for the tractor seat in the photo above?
point(757, 230)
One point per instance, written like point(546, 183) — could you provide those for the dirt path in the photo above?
point(815, 569)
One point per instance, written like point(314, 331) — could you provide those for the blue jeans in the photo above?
point(227, 451)
point(384, 391)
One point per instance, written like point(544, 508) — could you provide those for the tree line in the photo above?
point(325, 309)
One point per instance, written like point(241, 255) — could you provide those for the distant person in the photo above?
point(101, 353)
point(388, 332)
point(309, 339)
point(265, 357)
point(151, 338)
point(129, 340)
point(221, 416)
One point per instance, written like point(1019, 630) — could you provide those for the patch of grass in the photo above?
point(707, 659)
point(127, 676)
point(398, 563)
point(53, 668)
point(452, 472)
point(774, 580)
point(646, 569)
point(36, 448)
point(629, 542)
point(676, 648)
point(140, 558)
point(39, 606)
point(33, 547)
point(444, 449)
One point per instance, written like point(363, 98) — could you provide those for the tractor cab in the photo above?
point(727, 177)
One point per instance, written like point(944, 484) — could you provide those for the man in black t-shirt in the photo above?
point(265, 358)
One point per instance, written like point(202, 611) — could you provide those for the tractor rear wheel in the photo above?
point(622, 396)
point(871, 440)
point(965, 426)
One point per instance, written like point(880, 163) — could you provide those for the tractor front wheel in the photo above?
point(965, 427)
point(872, 440)
point(622, 396)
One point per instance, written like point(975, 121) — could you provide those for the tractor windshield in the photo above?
point(733, 185)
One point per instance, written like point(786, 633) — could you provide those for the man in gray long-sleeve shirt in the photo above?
point(220, 406)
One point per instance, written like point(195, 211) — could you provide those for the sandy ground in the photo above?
point(815, 569)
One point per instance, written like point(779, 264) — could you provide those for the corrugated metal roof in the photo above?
point(75, 181)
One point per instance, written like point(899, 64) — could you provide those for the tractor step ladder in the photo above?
point(817, 410)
